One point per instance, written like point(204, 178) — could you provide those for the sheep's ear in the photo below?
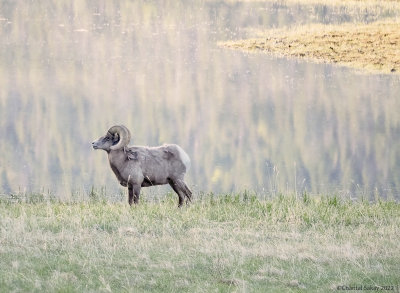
point(115, 138)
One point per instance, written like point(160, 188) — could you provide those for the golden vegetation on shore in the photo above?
point(373, 46)
point(393, 3)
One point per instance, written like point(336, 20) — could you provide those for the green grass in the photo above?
point(225, 243)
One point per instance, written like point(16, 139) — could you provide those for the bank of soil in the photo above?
point(373, 47)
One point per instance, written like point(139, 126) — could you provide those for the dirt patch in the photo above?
point(374, 47)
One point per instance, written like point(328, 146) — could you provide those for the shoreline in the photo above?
point(372, 47)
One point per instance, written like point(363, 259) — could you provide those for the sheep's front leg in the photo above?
point(134, 191)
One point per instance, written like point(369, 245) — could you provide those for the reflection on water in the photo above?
point(70, 70)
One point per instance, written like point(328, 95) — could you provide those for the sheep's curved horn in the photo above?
point(124, 136)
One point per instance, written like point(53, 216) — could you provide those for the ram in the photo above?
point(142, 166)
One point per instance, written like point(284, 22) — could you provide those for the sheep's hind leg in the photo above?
point(134, 191)
point(185, 190)
point(178, 191)
point(188, 192)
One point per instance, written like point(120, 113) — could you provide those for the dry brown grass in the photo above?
point(375, 47)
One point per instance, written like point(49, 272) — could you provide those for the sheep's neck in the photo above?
point(116, 159)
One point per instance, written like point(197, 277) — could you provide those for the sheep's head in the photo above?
point(116, 138)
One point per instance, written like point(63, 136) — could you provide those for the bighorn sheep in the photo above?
point(141, 166)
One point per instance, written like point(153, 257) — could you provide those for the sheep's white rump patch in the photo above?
point(184, 157)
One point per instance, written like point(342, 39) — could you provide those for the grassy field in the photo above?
point(226, 243)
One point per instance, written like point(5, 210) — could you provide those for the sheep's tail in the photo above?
point(182, 186)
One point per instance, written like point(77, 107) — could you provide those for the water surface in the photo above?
point(69, 71)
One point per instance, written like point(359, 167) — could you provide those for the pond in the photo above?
point(254, 122)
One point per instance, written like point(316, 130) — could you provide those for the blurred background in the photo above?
point(69, 71)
